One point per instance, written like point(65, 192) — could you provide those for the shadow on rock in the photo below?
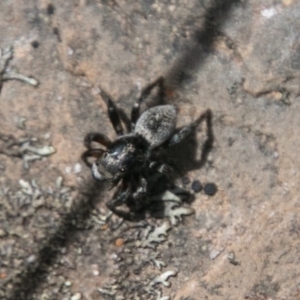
point(33, 276)
point(189, 62)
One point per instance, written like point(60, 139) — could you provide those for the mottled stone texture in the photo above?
point(241, 59)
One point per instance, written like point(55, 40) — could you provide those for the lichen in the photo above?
point(163, 278)
point(153, 237)
point(6, 73)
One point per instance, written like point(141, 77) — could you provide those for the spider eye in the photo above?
point(123, 169)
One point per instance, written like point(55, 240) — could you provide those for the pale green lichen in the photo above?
point(152, 238)
point(163, 278)
point(6, 54)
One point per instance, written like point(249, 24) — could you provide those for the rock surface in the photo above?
point(241, 59)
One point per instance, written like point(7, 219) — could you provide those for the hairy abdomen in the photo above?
point(157, 124)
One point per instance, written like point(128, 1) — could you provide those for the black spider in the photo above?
point(129, 158)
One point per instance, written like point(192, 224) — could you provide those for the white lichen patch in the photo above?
point(31, 153)
point(24, 148)
point(142, 240)
point(167, 196)
point(157, 293)
point(6, 73)
point(163, 278)
point(157, 236)
point(175, 212)
point(173, 208)
point(108, 290)
point(100, 219)
point(26, 187)
point(156, 262)
point(31, 193)
point(160, 297)
point(40, 151)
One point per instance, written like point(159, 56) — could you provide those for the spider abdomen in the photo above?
point(157, 124)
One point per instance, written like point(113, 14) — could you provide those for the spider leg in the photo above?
point(141, 190)
point(121, 197)
point(187, 130)
point(97, 153)
point(113, 113)
point(96, 137)
point(135, 112)
point(160, 169)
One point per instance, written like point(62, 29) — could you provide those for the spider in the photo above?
point(128, 159)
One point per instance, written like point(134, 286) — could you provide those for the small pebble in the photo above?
point(63, 250)
point(68, 283)
point(68, 170)
point(210, 189)
point(77, 168)
point(47, 135)
point(231, 256)
point(119, 242)
point(196, 186)
point(70, 51)
point(31, 259)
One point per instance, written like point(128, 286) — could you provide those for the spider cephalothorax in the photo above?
point(124, 156)
point(128, 158)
